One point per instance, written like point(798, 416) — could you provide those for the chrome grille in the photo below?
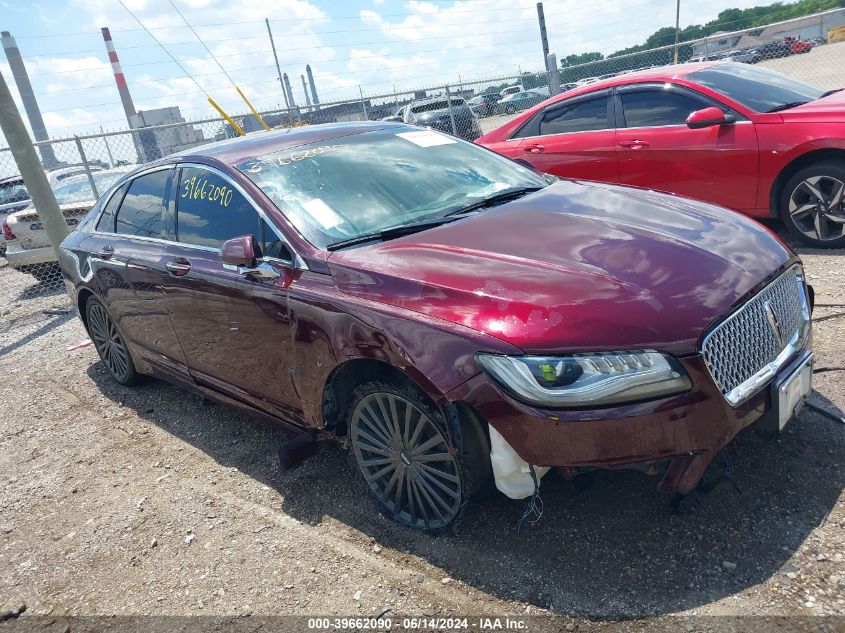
point(743, 351)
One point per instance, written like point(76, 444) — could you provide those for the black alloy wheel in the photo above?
point(401, 449)
point(813, 205)
point(109, 343)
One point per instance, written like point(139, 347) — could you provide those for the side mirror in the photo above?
point(239, 252)
point(708, 117)
point(239, 256)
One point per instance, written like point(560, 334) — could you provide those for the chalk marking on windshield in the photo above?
point(282, 160)
point(426, 138)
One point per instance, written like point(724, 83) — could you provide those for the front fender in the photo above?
point(330, 328)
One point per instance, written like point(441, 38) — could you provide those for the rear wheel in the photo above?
point(110, 344)
point(812, 204)
point(401, 449)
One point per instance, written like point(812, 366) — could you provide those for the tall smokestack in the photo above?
point(288, 90)
point(305, 90)
point(120, 80)
point(314, 98)
point(30, 104)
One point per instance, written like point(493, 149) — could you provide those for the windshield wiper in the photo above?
point(787, 106)
point(830, 92)
point(496, 198)
point(390, 233)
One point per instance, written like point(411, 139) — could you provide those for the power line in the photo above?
point(208, 50)
point(175, 61)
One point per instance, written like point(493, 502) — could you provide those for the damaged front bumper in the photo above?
point(688, 430)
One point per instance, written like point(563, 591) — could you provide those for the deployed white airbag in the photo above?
point(511, 472)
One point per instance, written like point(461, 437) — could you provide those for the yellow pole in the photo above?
point(254, 111)
point(229, 119)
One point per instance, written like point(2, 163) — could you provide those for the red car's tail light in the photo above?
point(7, 232)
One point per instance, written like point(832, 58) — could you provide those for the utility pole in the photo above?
point(278, 68)
point(30, 168)
point(543, 37)
point(30, 104)
point(677, 27)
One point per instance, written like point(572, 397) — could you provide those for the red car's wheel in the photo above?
point(813, 204)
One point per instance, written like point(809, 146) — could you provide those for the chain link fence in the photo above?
point(81, 168)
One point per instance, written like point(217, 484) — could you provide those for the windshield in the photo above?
point(758, 89)
point(363, 183)
point(78, 189)
point(14, 191)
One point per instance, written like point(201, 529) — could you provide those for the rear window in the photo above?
point(582, 116)
point(434, 105)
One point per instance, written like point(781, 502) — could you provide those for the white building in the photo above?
point(806, 28)
point(155, 143)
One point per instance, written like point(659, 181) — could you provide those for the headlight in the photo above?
point(583, 380)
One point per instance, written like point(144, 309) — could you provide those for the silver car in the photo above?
point(27, 245)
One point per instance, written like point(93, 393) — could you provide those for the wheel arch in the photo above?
point(344, 378)
point(795, 165)
point(83, 296)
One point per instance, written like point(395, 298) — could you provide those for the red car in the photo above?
point(740, 136)
point(453, 316)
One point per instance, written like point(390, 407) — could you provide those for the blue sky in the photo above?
point(377, 44)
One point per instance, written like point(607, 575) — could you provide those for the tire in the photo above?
point(400, 449)
point(812, 204)
point(109, 344)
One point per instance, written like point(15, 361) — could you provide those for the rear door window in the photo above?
point(106, 222)
point(581, 116)
point(141, 211)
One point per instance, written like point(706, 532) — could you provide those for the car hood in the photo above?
point(574, 267)
point(828, 109)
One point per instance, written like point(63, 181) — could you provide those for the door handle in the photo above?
point(534, 149)
point(105, 253)
point(634, 144)
point(178, 267)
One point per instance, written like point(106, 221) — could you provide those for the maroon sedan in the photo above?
point(740, 136)
point(456, 317)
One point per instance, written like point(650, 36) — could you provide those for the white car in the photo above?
point(14, 196)
point(510, 90)
point(28, 247)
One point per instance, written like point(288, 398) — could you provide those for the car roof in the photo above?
point(255, 144)
point(662, 73)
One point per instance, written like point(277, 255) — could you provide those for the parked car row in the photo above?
point(461, 316)
point(755, 54)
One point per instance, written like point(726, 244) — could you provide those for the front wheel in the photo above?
point(110, 344)
point(812, 204)
point(400, 447)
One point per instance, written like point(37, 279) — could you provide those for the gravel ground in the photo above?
point(154, 501)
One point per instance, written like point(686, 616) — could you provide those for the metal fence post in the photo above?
point(108, 148)
point(30, 168)
point(554, 75)
point(451, 112)
point(363, 104)
point(87, 167)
